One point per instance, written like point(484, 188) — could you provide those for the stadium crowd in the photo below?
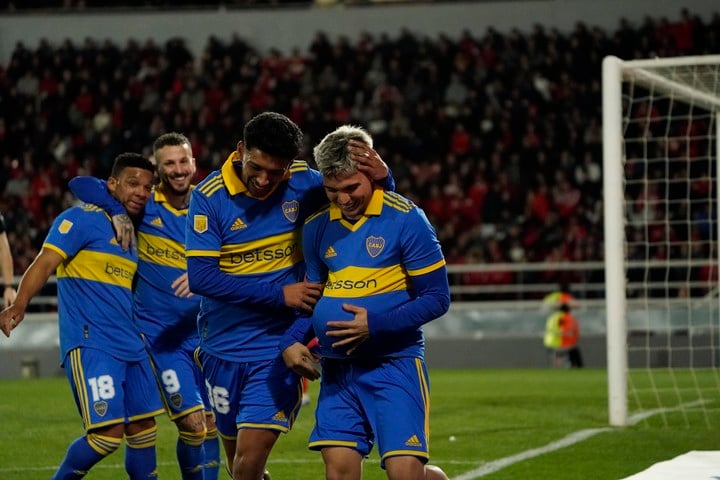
point(89, 5)
point(497, 135)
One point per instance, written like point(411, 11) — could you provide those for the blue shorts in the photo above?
point(109, 391)
point(264, 394)
point(182, 382)
point(362, 402)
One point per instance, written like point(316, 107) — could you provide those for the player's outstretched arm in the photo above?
point(32, 281)
point(432, 301)
point(205, 278)
point(94, 190)
point(6, 268)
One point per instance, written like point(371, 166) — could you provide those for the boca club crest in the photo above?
point(176, 400)
point(291, 210)
point(374, 245)
point(100, 408)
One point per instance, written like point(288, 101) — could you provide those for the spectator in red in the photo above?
point(476, 278)
point(476, 193)
point(460, 140)
point(566, 197)
point(537, 202)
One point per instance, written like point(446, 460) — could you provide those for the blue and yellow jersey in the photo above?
point(94, 284)
point(167, 320)
point(370, 263)
point(256, 244)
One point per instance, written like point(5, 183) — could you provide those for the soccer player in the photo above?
point(101, 349)
point(245, 260)
point(164, 308)
point(6, 266)
point(384, 276)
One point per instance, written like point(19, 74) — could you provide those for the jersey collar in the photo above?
point(374, 208)
point(233, 183)
point(160, 197)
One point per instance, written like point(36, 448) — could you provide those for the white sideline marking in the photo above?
point(571, 439)
point(499, 464)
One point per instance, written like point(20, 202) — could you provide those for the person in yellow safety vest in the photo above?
point(561, 296)
point(562, 333)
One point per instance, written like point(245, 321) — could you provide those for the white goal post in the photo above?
point(660, 187)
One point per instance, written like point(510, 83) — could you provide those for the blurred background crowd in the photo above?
point(79, 5)
point(497, 135)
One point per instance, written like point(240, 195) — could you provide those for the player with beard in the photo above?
point(164, 308)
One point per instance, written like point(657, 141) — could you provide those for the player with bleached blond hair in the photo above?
point(245, 258)
point(384, 277)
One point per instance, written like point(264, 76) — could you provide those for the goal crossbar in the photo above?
point(642, 71)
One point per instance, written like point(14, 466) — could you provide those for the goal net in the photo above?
point(660, 149)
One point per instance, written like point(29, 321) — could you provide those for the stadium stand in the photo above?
point(496, 134)
point(462, 121)
point(90, 5)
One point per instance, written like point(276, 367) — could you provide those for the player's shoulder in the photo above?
point(154, 202)
point(321, 215)
point(84, 216)
point(302, 172)
point(84, 210)
point(210, 185)
point(398, 203)
point(403, 211)
point(300, 166)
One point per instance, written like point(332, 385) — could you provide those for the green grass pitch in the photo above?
point(492, 415)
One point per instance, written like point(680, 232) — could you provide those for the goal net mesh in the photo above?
point(669, 129)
